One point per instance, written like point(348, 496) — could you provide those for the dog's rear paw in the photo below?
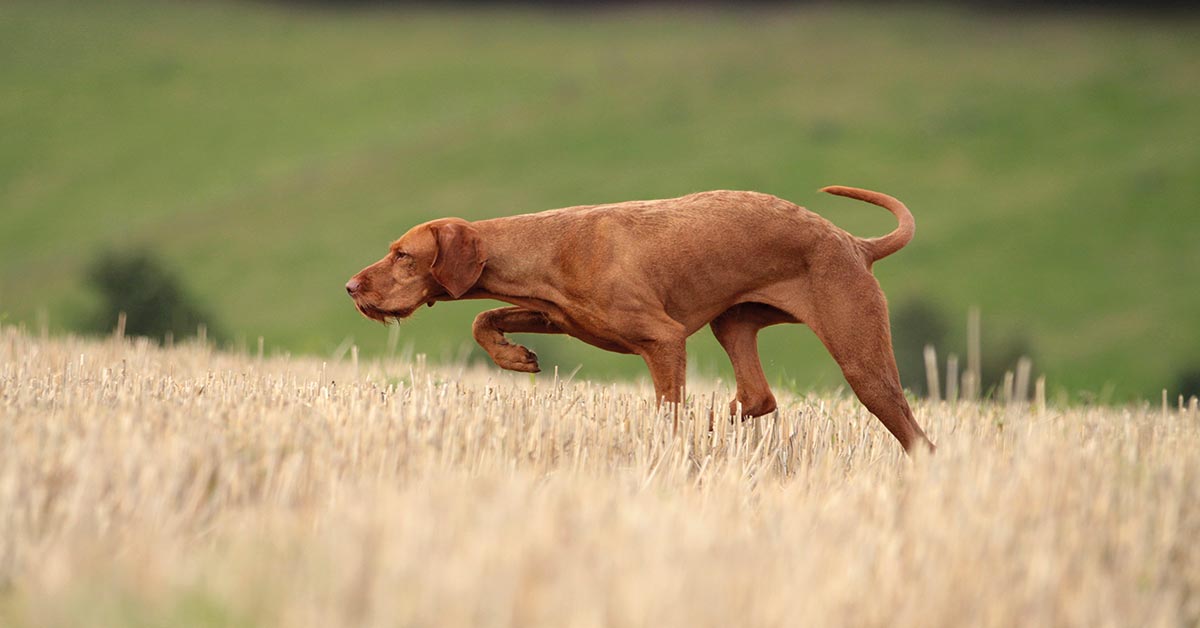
point(517, 358)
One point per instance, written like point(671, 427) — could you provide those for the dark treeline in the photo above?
point(1143, 6)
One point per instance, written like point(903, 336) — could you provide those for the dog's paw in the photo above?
point(751, 408)
point(517, 358)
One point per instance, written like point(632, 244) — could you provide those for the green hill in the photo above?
point(269, 152)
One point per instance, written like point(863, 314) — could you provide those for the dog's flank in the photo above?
point(640, 277)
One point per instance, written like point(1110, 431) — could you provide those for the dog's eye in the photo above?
point(399, 255)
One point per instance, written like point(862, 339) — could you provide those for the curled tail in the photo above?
point(883, 246)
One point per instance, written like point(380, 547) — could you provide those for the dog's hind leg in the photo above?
point(851, 319)
point(489, 329)
point(737, 331)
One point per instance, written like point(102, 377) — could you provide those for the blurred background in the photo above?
point(233, 163)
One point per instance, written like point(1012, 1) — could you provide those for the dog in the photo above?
point(639, 277)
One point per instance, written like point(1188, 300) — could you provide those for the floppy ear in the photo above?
point(459, 260)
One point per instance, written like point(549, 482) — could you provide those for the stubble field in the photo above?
point(268, 150)
point(188, 487)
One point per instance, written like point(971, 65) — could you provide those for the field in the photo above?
point(142, 486)
point(269, 151)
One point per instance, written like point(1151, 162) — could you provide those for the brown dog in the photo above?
point(640, 277)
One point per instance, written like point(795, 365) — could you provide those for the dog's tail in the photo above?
point(883, 246)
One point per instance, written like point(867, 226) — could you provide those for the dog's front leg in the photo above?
point(667, 361)
point(489, 329)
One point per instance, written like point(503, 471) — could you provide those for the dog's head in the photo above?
point(433, 261)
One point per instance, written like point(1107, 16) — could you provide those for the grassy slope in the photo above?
point(269, 153)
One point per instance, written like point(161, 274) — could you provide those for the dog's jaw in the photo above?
point(383, 315)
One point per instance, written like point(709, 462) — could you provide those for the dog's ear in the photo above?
point(459, 260)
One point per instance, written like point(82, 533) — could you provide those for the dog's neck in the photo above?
point(515, 270)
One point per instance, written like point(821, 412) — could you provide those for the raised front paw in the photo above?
point(516, 358)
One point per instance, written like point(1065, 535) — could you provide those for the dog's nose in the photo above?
point(352, 286)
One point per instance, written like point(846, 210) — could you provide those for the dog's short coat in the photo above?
point(641, 276)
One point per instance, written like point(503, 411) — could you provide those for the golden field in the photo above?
point(142, 486)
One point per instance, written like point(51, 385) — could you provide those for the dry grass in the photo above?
point(141, 486)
